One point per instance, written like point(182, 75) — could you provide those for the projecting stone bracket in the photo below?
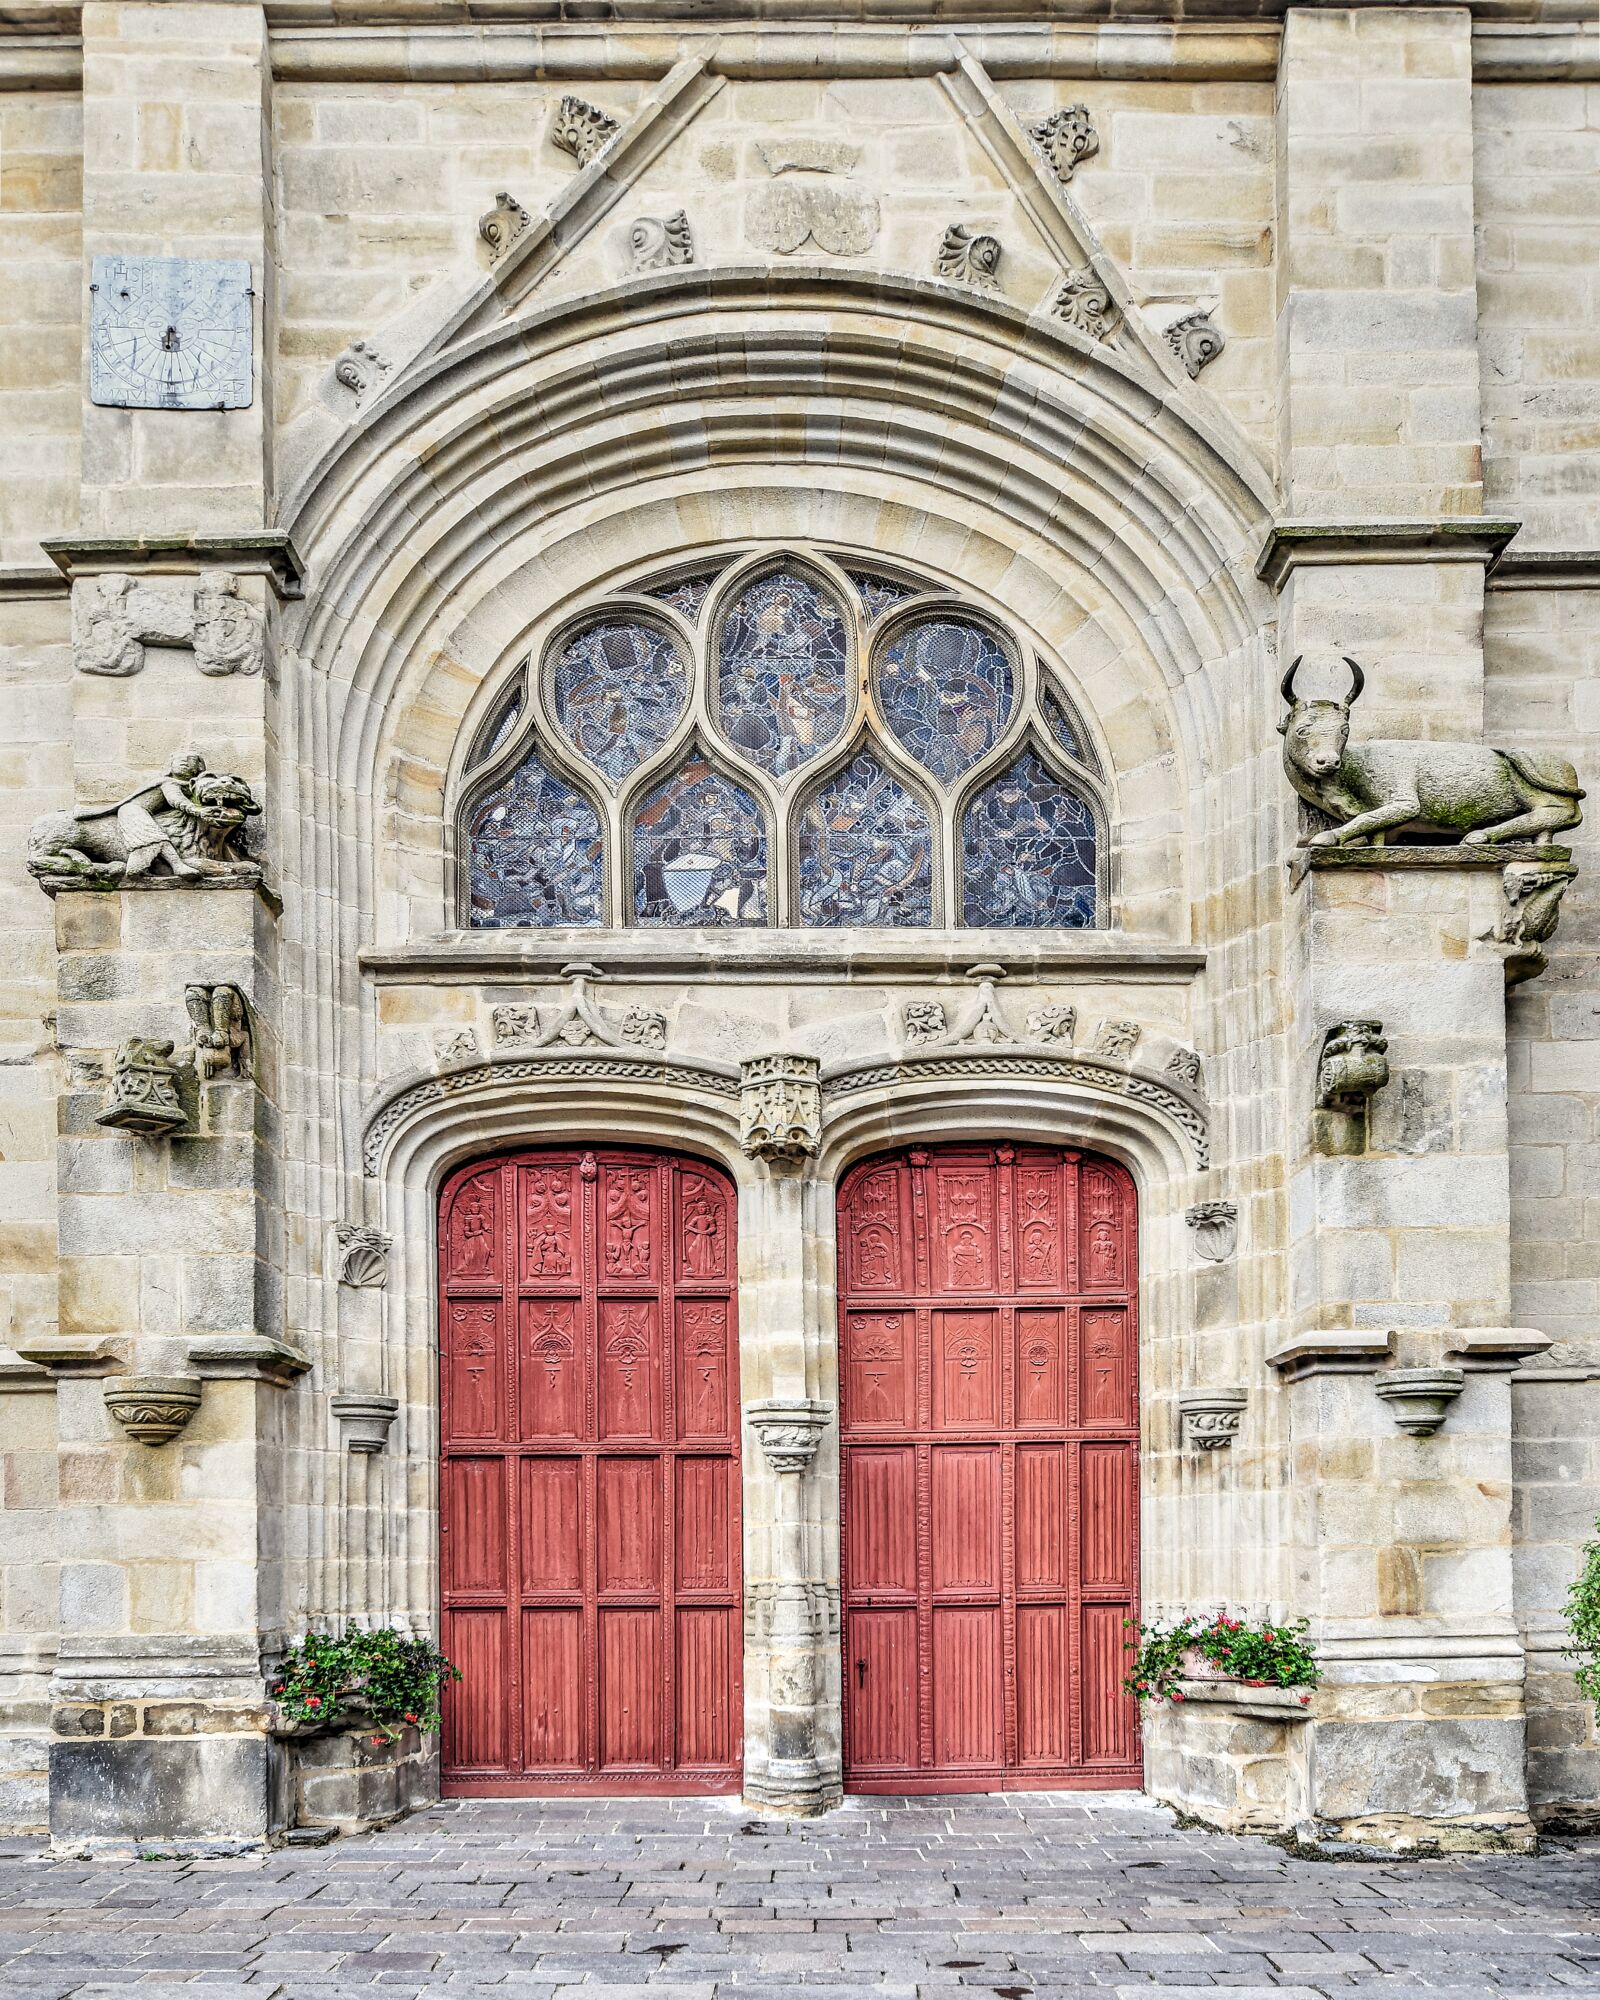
point(1211, 1418)
point(152, 1409)
point(1419, 1398)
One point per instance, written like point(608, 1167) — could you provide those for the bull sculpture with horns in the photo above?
point(1375, 788)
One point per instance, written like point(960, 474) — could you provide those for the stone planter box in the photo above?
point(1236, 1757)
point(331, 1775)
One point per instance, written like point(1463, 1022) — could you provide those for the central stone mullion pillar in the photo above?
point(787, 1597)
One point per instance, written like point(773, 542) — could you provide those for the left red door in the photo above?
point(589, 1477)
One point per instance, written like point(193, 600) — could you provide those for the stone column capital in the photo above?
point(790, 1429)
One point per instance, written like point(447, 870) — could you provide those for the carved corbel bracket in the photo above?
point(364, 1421)
point(789, 1429)
point(780, 1108)
point(1533, 892)
point(153, 1408)
point(1211, 1417)
point(1419, 1398)
point(147, 1094)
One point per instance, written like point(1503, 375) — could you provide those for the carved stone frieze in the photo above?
point(114, 619)
point(1353, 1066)
point(360, 368)
point(780, 1107)
point(1117, 1040)
point(582, 129)
point(789, 1430)
point(843, 221)
point(220, 1018)
point(363, 1256)
point(925, 1022)
point(153, 1408)
point(1186, 1066)
point(1053, 1024)
point(145, 1086)
point(1212, 1418)
point(1066, 139)
point(1533, 892)
point(1216, 1229)
point(501, 225)
point(581, 1023)
point(969, 257)
point(454, 1046)
point(1085, 304)
point(1195, 341)
point(1470, 789)
point(657, 242)
point(188, 823)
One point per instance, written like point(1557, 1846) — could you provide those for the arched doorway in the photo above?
point(589, 1478)
point(989, 1440)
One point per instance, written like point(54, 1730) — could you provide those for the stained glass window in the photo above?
point(783, 671)
point(945, 688)
point(619, 688)
point(865, 851)
point(686, 594)
point(1063, 725)
point(496, 730)
point(878, 594)
point(1028, 852)
point(534, 853)
point(699, 852)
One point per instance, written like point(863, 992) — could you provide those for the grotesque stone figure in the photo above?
point(188, 823)
point(1458, 788)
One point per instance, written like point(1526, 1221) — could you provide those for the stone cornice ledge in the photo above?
point(1292, 545)
point(1269, 1704)
point(1547, 569)
point(1455, 854)
point(30, 583)
point(769, 957)
point(1331, 1350)
point(246, 1356)
point(269, 553)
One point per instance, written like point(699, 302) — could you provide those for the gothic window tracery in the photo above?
point(787, 737)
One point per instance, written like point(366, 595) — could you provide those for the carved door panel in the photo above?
point(989, 1430)
point(589, 1483)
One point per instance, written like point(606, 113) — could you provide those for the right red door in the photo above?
point(989, 1433)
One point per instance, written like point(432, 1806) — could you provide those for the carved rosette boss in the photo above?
point(790, 1430)
point(780, 1108)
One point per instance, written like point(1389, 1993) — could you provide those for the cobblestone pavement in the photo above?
point(1014, 1896)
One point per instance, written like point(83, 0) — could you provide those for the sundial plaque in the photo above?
point(170, 333)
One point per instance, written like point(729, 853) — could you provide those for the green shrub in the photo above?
point(1258, 1655)
point(393, 1679)
point(1583, 1625)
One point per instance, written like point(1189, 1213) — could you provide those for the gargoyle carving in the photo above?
point(1372, 788)
point(144, 1089)
point(221, 1031)
point(1354, 1065)
point(1533, 892)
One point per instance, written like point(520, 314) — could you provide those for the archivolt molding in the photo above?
point(969, 1065)
point(412, 1101)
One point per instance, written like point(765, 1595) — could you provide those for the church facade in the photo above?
point(797, 900)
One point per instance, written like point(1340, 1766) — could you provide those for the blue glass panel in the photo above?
point(1028, 852)
point(945, 689)
point(534, 854)
point(866, 852)
point(878, 593)
point(619, 688)
point(699, 852)
point(783, 672)
point(1063, 725)
point(686, 594)
point(499, 726)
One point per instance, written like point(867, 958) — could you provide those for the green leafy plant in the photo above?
point(392, 1679)
point(1259, 1655)
point(1583, 1624)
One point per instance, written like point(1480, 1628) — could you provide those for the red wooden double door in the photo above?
point(589, 1505)
point(590, 1511)
point(990, 1436)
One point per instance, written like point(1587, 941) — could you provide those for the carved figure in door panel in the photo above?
point(589, 1489)
point(989, 1449)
